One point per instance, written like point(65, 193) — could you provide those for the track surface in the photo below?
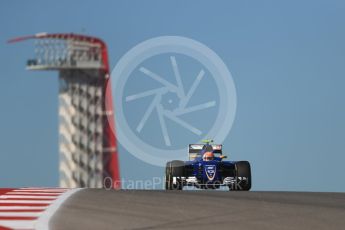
point(100, 209)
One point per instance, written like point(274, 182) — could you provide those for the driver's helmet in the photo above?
point(208, 156)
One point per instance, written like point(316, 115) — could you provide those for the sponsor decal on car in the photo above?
point(210, 171)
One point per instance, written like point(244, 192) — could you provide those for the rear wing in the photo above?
point(194, 150)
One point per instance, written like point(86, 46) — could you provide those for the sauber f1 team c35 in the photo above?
point(206, 169)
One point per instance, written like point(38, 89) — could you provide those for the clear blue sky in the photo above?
point(287, 59)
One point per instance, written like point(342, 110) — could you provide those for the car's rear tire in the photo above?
point(243, 177)
point(174, 169)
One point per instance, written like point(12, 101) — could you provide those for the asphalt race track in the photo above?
point(101, 209)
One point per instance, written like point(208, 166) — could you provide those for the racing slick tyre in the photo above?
point(243, 177)
point(174, 169)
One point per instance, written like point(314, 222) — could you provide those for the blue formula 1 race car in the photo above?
point(207, 170)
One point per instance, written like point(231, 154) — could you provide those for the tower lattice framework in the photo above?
point(87, 141)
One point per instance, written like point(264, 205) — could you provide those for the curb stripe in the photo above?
point(17, 224)
point(17, 218)
point(43, 221)
point(25, 202)
point(34, 193)
point(30, 208)
point(40, 190)
point(29, 197)
point(19, 214)
point(25, 205)
point(22, 210)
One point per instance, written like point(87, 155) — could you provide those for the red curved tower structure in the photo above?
point(87, 144)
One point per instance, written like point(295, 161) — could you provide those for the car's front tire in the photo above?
point(243, 177)
point(174, 169)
